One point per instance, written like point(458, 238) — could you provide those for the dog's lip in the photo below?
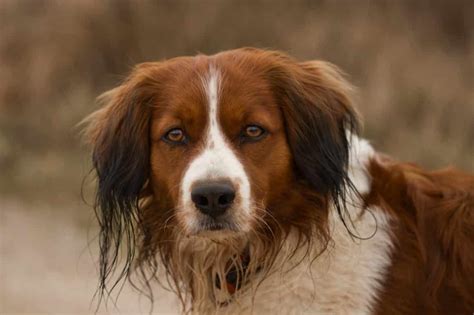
point(215, 227)
point(212, 225)
point(220, 225)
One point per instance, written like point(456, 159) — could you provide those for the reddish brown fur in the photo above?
point(433, 263)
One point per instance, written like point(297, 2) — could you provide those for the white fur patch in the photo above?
point(217, 161)
point(346, 278)
point(359, 156)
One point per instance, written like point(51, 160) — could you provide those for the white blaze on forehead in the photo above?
point(217, 161)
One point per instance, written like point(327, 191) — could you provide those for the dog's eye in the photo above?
point(253, 133)
point(175, 136)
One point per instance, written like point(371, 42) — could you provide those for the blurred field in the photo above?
point(413, 62)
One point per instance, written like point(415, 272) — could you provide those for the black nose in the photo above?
point(213, 199)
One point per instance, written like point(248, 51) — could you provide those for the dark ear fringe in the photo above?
point(320, 117)
point(119, 133)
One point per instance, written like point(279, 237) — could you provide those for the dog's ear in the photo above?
point(119, 135)
point(317, 106)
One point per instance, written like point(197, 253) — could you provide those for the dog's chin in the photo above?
point(217, 235)
point(215, 228)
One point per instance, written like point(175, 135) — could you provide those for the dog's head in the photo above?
point(245, 142)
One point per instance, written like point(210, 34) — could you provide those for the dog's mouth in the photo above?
point(215, 226)
point(196, 223)
point(209, 226)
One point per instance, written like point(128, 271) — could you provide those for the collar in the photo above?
point(234, 276)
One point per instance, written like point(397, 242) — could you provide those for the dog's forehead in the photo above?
point(241, 90)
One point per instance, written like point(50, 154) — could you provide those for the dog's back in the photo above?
point(434, 247)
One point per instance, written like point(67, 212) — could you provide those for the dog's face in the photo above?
point(241, 141)
point(218, 148)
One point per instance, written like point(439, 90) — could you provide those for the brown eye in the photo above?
point(253, 133)
point(175, 136)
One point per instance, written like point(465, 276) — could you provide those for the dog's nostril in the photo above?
point(226, 199)
point(201, 200)
point(213, 199)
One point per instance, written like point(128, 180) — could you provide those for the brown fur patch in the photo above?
point(433, 262)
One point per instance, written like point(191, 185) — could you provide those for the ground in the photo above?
point(47, 266)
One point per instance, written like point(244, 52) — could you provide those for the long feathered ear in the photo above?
point(119, 135)
point(317, 106)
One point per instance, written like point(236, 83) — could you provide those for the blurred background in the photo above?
point(413, 62)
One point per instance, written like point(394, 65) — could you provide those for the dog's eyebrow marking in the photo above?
point(217, 160)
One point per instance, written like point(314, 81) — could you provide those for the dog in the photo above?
point(240, 182)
